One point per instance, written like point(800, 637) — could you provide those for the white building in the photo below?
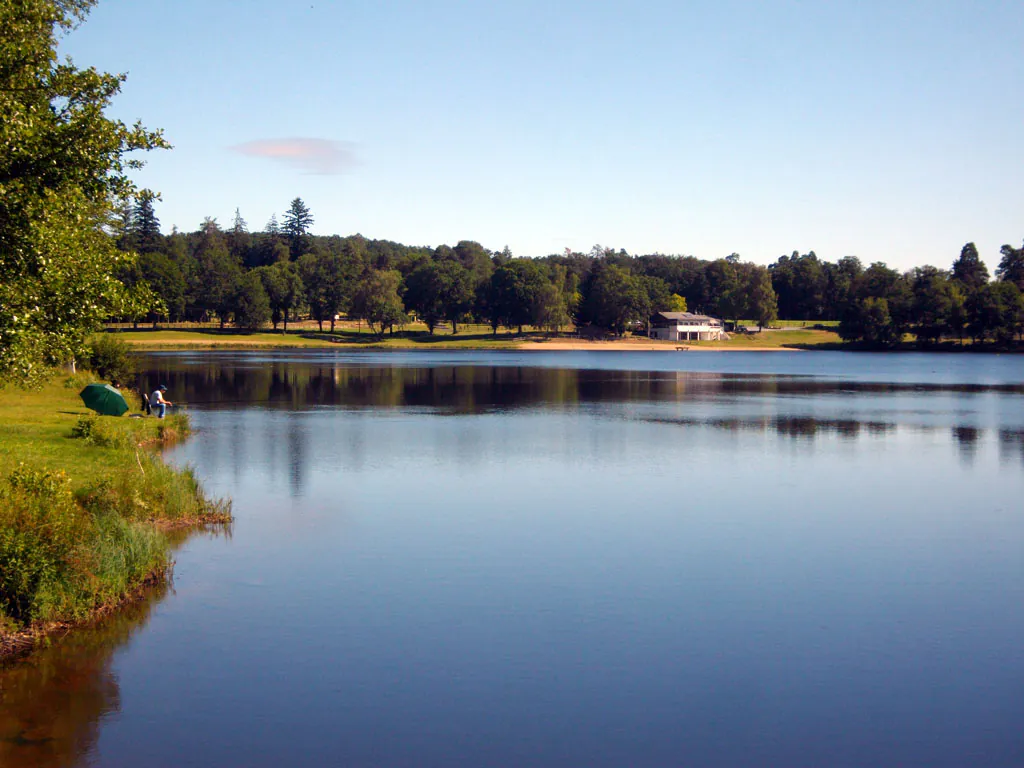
point(686, 326)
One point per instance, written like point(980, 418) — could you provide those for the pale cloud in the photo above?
point(314, 156)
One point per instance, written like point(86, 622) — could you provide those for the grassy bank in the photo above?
point(469, 337)
point(308, 335)
point(84, 507)
point(787, 338)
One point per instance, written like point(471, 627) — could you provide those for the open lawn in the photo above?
point(307, 334)
point(36, 426)
point(469, 337)
point(203, 337)
point(801, 323)
point(788, 338)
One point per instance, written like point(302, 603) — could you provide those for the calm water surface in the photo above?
point(558, 559)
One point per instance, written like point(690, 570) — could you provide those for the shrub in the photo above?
point(106, 433)
point(110, 358)
point(84, 428)
point(175, 427)
point(41, 530)
point(78, 380)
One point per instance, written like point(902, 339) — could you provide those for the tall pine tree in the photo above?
point(969, 269)
point(146, 235)
point(297, 221)
point(239, 241)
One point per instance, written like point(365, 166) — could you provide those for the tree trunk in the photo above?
point(286, 320)
point(455, 329)
point(332, 323)
point(320, 322)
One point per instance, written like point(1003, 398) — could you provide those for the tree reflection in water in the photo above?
point(52, 702)
point(800, 409)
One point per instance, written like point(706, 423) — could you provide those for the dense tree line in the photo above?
point(877, 305)
point(284, 271)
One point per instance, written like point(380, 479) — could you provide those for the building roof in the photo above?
point(683, 316)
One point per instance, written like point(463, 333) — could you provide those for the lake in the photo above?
point(559, 559)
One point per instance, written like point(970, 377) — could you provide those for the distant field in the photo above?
point(469, 337)
point(794, 337)
point(310, 338)
point(796, 323)
point(210, 338)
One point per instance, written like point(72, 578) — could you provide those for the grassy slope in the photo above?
point(35, 427)
point(790, 337)
point(67, 553)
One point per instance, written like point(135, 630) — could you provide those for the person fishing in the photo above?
point(158, 401)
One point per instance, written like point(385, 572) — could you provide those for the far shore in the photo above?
point(351, 336)
point(555, 345)
point(626, 345)
point(786, 340)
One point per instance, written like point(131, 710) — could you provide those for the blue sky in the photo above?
point(886, 130)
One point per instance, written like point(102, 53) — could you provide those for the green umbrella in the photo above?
point(104, 399)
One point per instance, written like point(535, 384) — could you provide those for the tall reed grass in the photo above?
point(65, 552)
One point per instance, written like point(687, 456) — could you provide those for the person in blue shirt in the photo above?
point(158, 401)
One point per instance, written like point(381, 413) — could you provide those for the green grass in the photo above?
point(472, 337)
point(416, 337)
point(801, 323)
point(791, 338)
point(190, 338)
point(83, 504)
point(36, 426)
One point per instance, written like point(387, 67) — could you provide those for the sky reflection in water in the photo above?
point(498, 565)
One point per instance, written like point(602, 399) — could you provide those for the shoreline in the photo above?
point(17, 645)
point(638, 346)
point(238, 342)
point(350, 336)
point(525, 346)
point(783, 340)
point(107, 483)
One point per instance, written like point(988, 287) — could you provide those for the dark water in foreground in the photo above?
point(570, 559)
